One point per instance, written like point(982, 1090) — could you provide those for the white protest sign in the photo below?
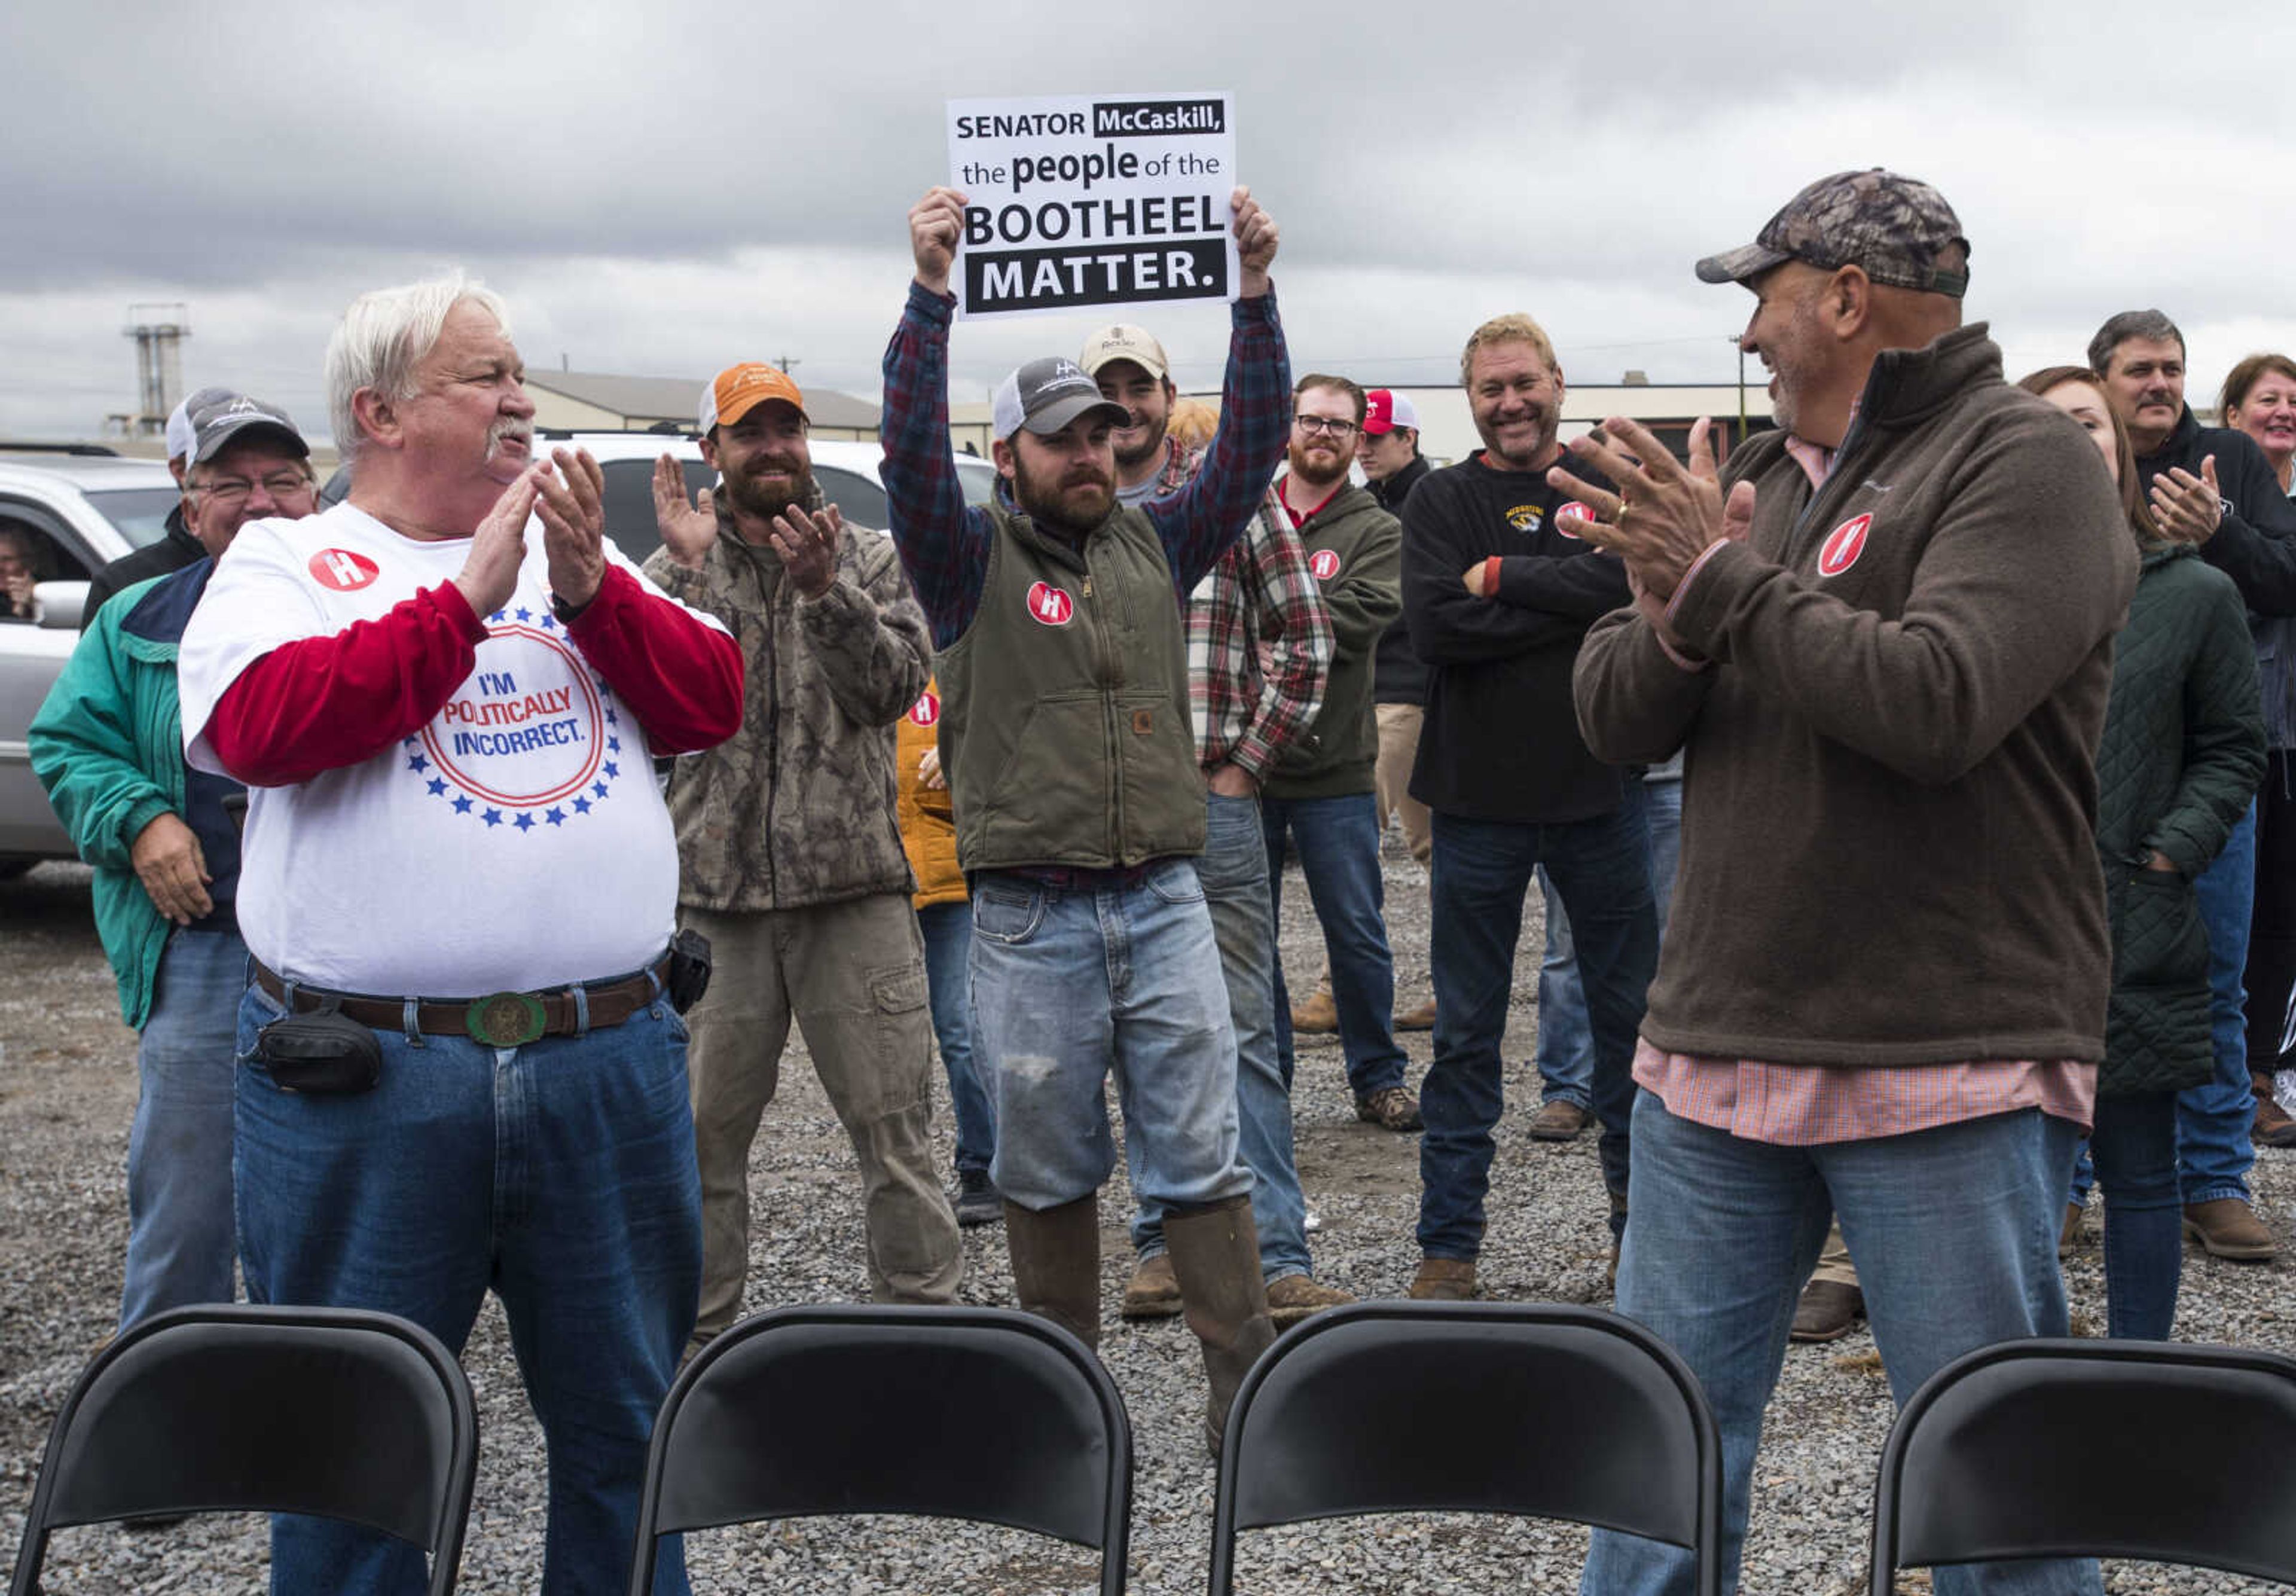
point(1087, 201)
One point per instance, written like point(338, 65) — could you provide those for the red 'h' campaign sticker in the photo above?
point(1325, 563)
point(1843, 545)
point(1573, 508)
point(926, 709)
point(1050, 605)
point(342, 570)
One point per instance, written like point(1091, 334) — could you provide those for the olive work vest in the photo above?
point(1065, 731)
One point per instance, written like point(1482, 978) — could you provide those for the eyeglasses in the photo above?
point(1331, 426)
point(280, 485)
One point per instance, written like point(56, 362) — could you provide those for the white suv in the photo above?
point(82, 512)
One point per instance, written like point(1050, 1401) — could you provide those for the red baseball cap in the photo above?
point(1384, 410)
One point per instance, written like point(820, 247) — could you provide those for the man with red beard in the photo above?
point(1321, 790)
point(1066, 737)
point(1499, 591)
point(788, 852)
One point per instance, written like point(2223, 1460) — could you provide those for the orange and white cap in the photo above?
point(739, 390)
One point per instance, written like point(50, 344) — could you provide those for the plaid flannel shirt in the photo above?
point(944, 543)
point(1258, 642)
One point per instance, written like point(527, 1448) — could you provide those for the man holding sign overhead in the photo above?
point(1069, 753)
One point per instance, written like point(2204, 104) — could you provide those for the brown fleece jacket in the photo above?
point(1889, 800)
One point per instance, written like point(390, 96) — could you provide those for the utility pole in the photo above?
point(788, 363)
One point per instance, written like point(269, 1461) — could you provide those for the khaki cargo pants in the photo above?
point(852, 975)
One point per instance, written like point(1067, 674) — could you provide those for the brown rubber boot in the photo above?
point(1215, 1251)
point(1056, 1263)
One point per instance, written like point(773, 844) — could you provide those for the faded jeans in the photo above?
point(181, 1237)
point(1069, 985)
point(1233, 870)
point(1955, 1234)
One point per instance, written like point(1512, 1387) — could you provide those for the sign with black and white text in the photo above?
point(1084, 200)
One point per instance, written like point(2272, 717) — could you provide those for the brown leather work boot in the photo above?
point(1559, 1119)
point(1422, 1018)
point(1154, 1292)
point(1056, 1263)
point(1827, 1310)
point(2272, 1128)
point(2228, 1227)
point(1444, 1281)
point(1317, 1016)
point(1215, 1252)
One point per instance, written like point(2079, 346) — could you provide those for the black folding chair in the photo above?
point(1540, 1409)
point(332, 1411)
point(977, 1413)
point(2157, 1450)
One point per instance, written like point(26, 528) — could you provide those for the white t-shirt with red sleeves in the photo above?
point(516, 840)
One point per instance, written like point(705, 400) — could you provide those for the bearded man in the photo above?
point(1066, 735)
point(1321, 794)
point(790, 857)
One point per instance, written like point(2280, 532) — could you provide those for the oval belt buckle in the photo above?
point(506, 1019)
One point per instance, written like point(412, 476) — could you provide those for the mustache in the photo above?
point(506, 428)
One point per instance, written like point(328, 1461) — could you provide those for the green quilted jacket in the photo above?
point(2182, 754)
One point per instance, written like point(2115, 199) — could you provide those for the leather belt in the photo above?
point(497, 1019)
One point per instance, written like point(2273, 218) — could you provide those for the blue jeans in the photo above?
point(1233, 868)
point(1066, 985)
point(1953, 1232)
point(1565, 1055)
point(1482, 870)
point(180, 1236)
point(2213, 1152)
point(1565, 1052)
point(2134, 1147)
point(562, 1175)
point(1339, 854)
point(1662, 808)
point(948, 931)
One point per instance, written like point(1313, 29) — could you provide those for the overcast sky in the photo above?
point(662, 189)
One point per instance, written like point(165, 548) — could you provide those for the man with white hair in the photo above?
point(461, 1062)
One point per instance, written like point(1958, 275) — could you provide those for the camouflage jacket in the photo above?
point(797, 807)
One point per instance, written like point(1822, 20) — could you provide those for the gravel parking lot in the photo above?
point(68, 1087)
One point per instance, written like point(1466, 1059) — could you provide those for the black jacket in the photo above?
point(1501, 739)
point(171, 553)
point(1398, 674)
point(2255, 545)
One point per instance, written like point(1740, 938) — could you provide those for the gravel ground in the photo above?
point(66, 1091)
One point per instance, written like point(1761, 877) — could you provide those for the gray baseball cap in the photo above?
point(1891, 227)
point(219, 415)
point(179, 421)
point(1046, 395)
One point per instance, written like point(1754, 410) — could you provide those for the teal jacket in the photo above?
point(108, 745)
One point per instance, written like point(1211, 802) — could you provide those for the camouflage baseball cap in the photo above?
point(1889, 225)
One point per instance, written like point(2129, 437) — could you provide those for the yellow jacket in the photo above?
point(928, 825)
